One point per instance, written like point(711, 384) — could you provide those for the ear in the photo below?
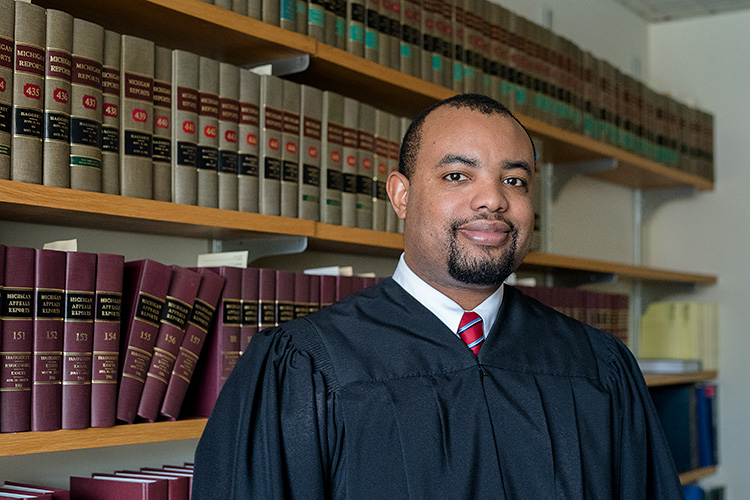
point(397, 187)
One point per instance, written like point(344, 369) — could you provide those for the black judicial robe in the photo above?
point(374, 398)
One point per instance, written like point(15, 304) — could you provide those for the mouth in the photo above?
point(488, 233)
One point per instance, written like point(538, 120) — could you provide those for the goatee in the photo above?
point(485, 269)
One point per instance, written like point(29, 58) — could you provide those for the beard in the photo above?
point(485, 269)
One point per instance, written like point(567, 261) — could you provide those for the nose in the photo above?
point(489, 196)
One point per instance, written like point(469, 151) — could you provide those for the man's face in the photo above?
point(468, 205)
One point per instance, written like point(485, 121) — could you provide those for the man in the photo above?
point(396, 393)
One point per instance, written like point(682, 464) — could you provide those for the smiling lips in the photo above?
point(486, 232)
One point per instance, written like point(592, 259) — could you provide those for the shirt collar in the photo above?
point(448, 311)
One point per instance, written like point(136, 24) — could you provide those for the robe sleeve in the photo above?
point(267, 437)
point(642, 458)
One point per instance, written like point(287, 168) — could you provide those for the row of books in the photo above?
point(605, 311)
point(480, 46)
point(683, 332)
point(98, 111)
point(688, 414)
point(88, 340)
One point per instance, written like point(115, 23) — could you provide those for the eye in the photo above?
point(455, 177)
point(516, 181)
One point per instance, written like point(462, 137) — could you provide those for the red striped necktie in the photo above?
point(470, 331)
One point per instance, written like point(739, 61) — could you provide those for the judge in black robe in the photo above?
point(374, 398)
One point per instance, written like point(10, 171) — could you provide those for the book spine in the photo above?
point(49, 294)
point(58, 66)
point(199, 323)
point(270, 12)
point(284, 299)
point(266, 298)
point(428, 57)
point(254, 9)
point(17, 340)
point(394, 141)
point(314, 301)
point(340, 27)
point(380, 171)
point(137, 117)
point(317, 19)
point(111, 113)
point(394, 33)
point(185, 67)
point(249, 293)
point(372, 30)
point(183, 290)
point(349, 164)
point(411, 43)
point(301, 295)
point(272, 122)
point(162, 142)
point(331, 156)
point(106, 345)
point(78, 342)
point(384, 29)
point(365, 151)
point(148, 284)
point(240, 7)
point(355, 27)
point(290, 149)
point(310, 135)
point(6, 85)
point(86, 107)
point(229, 120)
point(288, 14)
point(247, 147)
point(301, 16)
point(28, 93)
point(208, 126)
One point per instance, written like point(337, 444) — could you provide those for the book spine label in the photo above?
point(6, 89)
point(162, 152)
point(111, 114)
point(208, 133)
point(272, 122)
point(316, 19)
point(247, 148)
point(229, 324)
point(185, 129)
point(229, 119)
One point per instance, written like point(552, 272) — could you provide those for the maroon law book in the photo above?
point(301, 294)
point(117, 488)
point(177, 487)
point(222, 347)
point(49, 314)
point(9, 493)
point(327, 290)
point(16, 341)
point(55, 493)
point(145, 290)
point(174, 319)
point(343, 286)
point(176, 472)
point(198, 326)
point(266, 298)
point(314, 293)
point(107, 324)
point(249, 293)
point(78, 339)
point(284, 297)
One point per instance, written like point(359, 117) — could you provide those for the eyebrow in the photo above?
point(471, 162)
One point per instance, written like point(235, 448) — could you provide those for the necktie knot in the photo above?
point(471, 331)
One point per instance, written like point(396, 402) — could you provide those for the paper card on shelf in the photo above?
point(331, 271)
point(231, 259)
point(63, 245)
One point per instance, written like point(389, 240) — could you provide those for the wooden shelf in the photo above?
point(661, 379)
point(694, 475)
point(26, 443)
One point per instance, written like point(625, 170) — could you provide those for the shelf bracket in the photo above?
point(281, 67)
point(645, 204)
point(262, 246)
point(572, 279)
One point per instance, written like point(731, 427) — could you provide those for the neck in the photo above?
point(466, 297)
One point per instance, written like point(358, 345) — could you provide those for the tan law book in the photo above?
point(270, 11)
point(287, 14)
point(86, 107)
point(6, 86)
point(208, 133)
point(311, 106)
point(229, 120)
point(28, 93)
point(372, 30)
point(355, 27)
point(380, 170)
point(394, 143)
point(111, 113)
point(137, 117)
point(185, 66)
point(248, 145)
point(290, 149)
point(162, 152)
point(56, 168)
point(384, 28)
point(271, 125)
point(317, 19)
point(349, 164)
point(365, 153)
point(411, 37)
point(431, 59)
point(254, 9)
point(331, 157)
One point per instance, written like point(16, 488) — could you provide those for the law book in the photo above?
point(458, 40)
point(145, 287)
point(162, 141)
point(316, 20)
point(394, 143)
point(78, 341)
point(380, 170)
point(349, 164)
point(676, 408)
point(208, 126)
point(355, 27)
point(254, 9)
point(240, 7)
point(49, 321)
point(301, 295)
point(15, 494)
point(384, 30)
point(16, 341)
point(222, 347)
point(117, 488)
point(411, 38)
point(199, 323)
point(177, 487)
point(86, 107)
point(178, 306)
point(288, 14)
point(311, 105)
point(365, 154)
point(331, 157)
point(271, 126)
point(185, 77)
point(111, 113)
point(284, 297)
point(314, 302)
point(249, 294)
point(393, 14)
point(172, 471)
point(266, 298)
point(327, 290)
point(372, 30)
point(58, 48)
point(6, 85)
point(248, 145)
point(290, 153)
point(55, 493)
point(270, 12)
point(431, 59)
point(137, 117)
point(229, 120)
point(339, 8)
point(301, 16)
point(444, 29)
point(28, 93)
point(106, 345)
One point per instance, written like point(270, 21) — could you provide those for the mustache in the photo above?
point(457, 223)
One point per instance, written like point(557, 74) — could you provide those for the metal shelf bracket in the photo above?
point(262, 246)
point(281, 67)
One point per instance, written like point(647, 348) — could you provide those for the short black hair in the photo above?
point(475, 102)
